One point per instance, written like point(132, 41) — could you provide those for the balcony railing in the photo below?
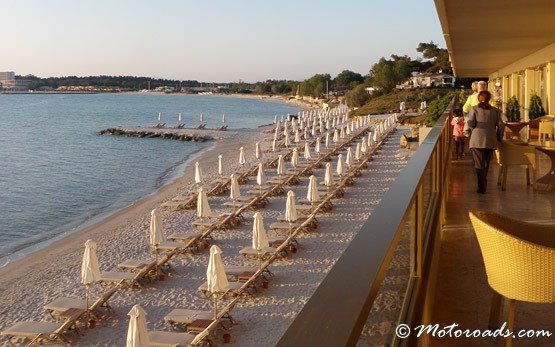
point(338, 310)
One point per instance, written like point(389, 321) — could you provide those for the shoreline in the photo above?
point(120, 215)
point(54, 271)
point(78, 225)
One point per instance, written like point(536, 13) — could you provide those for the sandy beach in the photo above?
point(28, 284)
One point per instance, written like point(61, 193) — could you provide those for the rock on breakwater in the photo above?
point(170, 134)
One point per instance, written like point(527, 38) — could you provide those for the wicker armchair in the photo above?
point(545, 131)
point(508, 154)
point(519, 258)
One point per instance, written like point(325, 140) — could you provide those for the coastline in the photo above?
point(71, 239)
point(53, 272)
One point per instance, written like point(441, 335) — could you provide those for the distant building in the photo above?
point(7, 79)
point(426, 80)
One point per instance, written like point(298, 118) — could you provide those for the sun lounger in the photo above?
point(169, 339)
point(186, 317)
point(283, 227)
point(201, 126)
point(127, 278)
point(172, 246)
point(181, 202)
point(249, 251)
point(63, 304)
point(40, 332)
point(232, 289)
point(188, 237)
point(327, 206)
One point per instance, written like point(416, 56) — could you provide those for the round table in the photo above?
point(547, 182)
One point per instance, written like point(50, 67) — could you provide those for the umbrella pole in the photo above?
point(215, 306)
point(87, 301)
point(290, 237)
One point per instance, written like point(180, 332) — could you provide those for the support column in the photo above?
point(515, 87)
point(549, 80)
point(529, 87)
point(506, 87)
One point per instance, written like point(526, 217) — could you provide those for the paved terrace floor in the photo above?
point(463, 295)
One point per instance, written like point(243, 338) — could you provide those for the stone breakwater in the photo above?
point(153, 133)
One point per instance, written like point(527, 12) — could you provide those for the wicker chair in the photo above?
point(508, 154)
point(545, 131)
point(519, 258)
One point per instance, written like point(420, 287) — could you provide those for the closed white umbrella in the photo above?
point(223, 118)
point(297, 136)
point(179, 117)
point(321, 130)
point(313, 130)
point(261, 177)
point(242, 160)
point(295, 158)
point(335, 136)
point(280, 167)
point(137, 335)
point(305, 134)
point(159, 116)
point(201, 117)
point(290, 208)
point(216, 278)
point(274, 145)
point(277, 134)
point(220, 166)
point(275, 119)
point(291, 215)
point(287, 140)
point(307, 155)
point(90, 271)
point(312, 194)
point(198, 174)
point(259, 236)
point(339, 169)
point(327, 142)
point(203, 207)
point(257, 152)
point(357, 152)
point(157, 235)
point(286, 128)
point(342, 133)
point(349, 157)
point(363, 147)
point(234, 192)
point(317, 146)
point(328, 176)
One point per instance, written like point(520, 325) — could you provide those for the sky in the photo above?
point(210, 41)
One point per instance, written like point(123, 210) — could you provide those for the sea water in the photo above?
point(57, 173)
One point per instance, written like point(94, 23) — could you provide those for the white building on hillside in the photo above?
point(425, 80)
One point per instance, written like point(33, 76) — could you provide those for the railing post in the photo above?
point(418, 230)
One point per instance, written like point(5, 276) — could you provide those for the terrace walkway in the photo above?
point(463, 295)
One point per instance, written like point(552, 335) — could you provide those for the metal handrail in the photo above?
point(338, 310)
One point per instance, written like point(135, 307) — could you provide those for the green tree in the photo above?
point(315, 86)
point(386, 74)
point(438, 56)
point(347, 80)
point(357, 96)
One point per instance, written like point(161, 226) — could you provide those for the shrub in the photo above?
point(437, 107)
point(536, 109)
point(512, 110)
